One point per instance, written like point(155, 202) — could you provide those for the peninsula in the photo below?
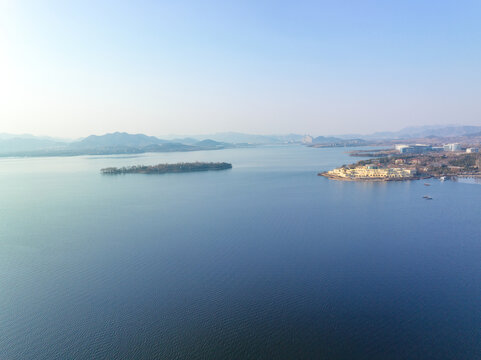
point(167, 168)
point(389, 166)
point(371, 172)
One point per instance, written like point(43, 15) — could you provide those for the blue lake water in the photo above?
point(264, 261)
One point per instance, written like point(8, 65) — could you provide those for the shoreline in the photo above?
point(340, 178)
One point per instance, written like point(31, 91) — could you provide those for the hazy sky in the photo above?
point(72, 68)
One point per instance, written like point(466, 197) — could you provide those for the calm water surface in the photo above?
point(264, 261)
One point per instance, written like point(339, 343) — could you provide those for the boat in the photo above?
point(426, 184)
point(427, 197)
point(442, 178)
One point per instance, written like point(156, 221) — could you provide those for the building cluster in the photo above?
point(373, 171)
point(422, 148)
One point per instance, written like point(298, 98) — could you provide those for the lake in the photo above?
point(263, 261)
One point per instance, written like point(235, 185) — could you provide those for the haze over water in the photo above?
point(263, 261)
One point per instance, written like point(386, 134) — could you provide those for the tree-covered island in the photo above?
point(167, 168)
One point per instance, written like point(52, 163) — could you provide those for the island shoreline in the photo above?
point(160, 169)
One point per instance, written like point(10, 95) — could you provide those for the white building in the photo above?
point(413, 149)
point(452, 147)
point(472, 150)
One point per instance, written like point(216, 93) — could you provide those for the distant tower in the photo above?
point(307, 139)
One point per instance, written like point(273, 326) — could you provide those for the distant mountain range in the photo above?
point(241, 138)
point(426, 131)
point(117, 139)
point(14, 144)
point(114, 143)
point(124, 143)
point(330, 141)
point(6, 136)
point(414, 132)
